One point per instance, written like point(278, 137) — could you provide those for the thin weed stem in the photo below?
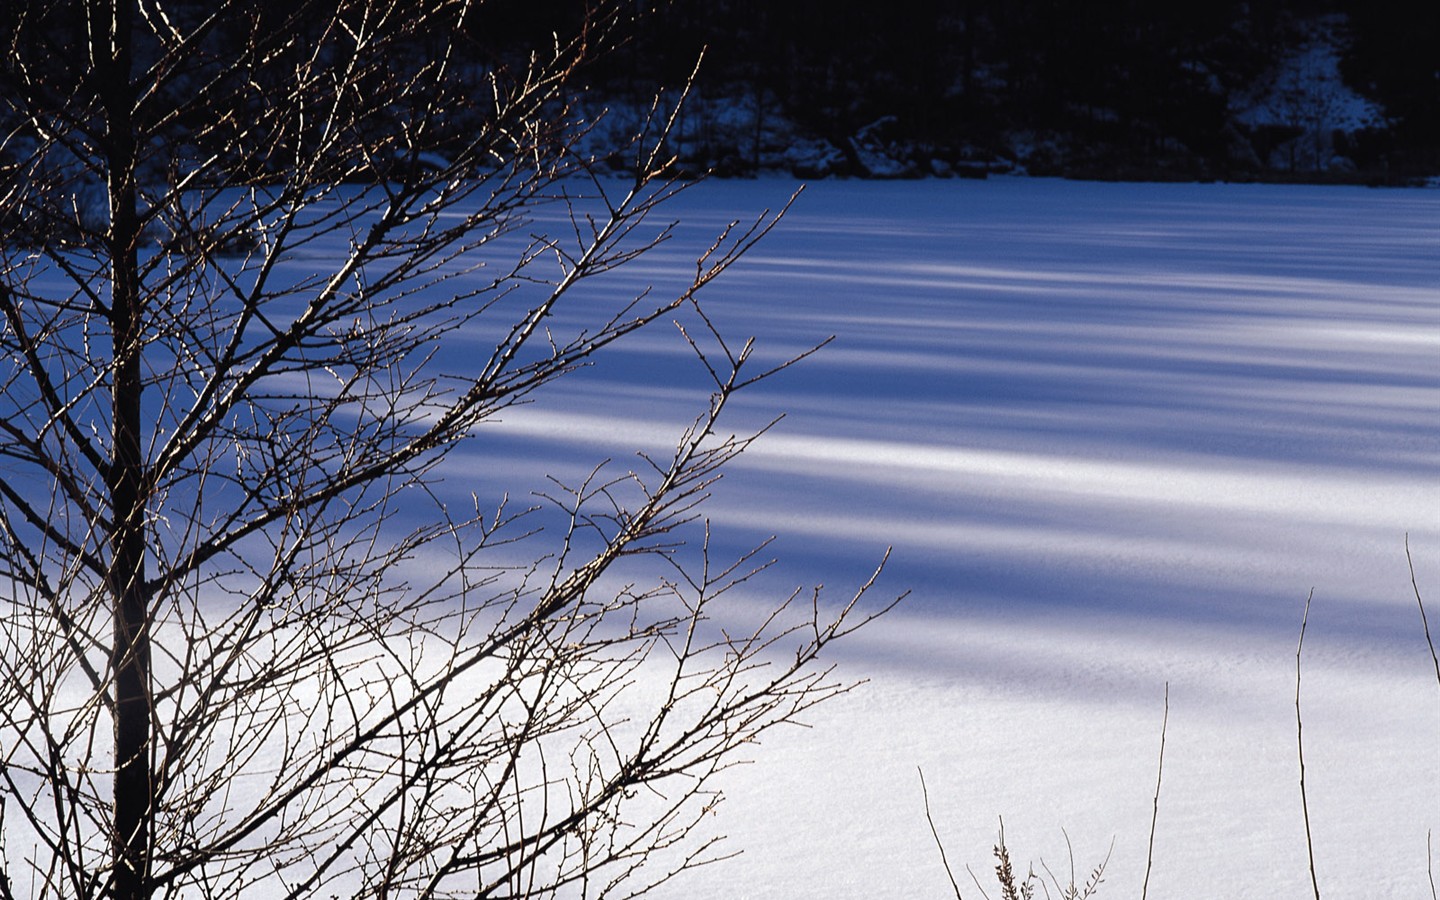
point(1423, 621)
point(1155, 813)
point(1300, 748)
point(949, 873)
point(1430, 866)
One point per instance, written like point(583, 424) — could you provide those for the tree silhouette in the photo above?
point(249, 643)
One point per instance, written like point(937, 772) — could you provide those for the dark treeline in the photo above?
point(1101, 88)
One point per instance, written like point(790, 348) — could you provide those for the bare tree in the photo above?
point(249, 642)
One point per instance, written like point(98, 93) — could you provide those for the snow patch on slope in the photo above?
point(1306, 91)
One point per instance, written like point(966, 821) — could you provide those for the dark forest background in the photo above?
point(902, 88)
point(1103, 88)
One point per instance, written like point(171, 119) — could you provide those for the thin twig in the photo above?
point(949, 873)
point(1155, 813)
point(1300, 749)
point(1430, 866)
point(1423, 621)
point(975, 878)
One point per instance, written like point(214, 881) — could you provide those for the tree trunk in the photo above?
point(110, 22)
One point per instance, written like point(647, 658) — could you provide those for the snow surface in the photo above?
point(1116, 434)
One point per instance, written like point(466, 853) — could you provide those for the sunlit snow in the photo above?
point(1116, 434)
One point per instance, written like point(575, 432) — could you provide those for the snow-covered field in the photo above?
point(1116, 434)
